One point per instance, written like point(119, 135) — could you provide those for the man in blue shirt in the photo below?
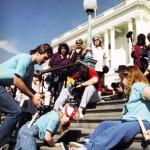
point(18, 71)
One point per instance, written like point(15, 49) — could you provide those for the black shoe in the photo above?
point(82, 142)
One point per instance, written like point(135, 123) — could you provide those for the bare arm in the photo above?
point(104, 59)
point(146, 92)
point(91, 81)
point(48, 138)
point(147, 70)
point(18, 82)
point(72, 52)
point(146, 73)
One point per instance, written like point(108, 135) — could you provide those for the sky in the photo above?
point(25, 24)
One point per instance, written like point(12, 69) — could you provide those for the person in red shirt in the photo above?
point(86, 86)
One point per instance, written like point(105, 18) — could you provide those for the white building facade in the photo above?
point(112, 25)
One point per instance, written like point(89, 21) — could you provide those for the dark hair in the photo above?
point(84, 72)
point(43, 48)
point(65, 45)
point(141, 37)
point(105, 69)
point(121, 68)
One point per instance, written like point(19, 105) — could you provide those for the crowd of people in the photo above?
point(80, 83)
point(120, 134)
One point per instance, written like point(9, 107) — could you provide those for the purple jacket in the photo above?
point(57, 60)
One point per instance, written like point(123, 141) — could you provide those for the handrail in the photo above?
point(40, 72)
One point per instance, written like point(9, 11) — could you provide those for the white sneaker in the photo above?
point(5, 147)
point(74, 145)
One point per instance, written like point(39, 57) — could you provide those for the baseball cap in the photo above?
point(69, 111)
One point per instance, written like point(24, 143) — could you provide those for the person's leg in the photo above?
point(132, 128)
point(90, 95)
point(114, 135)
point(99, 129)
point(101, 77)
point(102, 127)
point(9, 106)
point(26, 139)
point(63, 96)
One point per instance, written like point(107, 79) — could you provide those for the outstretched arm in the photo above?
point(91, 81)
point(36, 97)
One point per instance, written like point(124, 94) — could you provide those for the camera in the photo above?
point(115, 85)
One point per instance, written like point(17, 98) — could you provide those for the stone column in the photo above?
point(112, 38)
point(112, 50)
point(106, 46)
point(106, 40)
point(130, 28)
point(139, 23)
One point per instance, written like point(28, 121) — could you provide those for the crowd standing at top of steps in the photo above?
point(80, 83)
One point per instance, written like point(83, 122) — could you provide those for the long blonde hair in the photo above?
point(133, 74)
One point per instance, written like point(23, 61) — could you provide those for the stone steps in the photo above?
point(92, 122)
point(105, 110)
point(98, 109)
point(133, 146)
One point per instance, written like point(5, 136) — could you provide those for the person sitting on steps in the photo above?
point(120, 134)
point(86, 90)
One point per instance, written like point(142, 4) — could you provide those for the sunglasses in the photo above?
point(79, 43)
point(96, 40)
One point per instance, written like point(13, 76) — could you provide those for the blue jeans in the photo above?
point(9, 106)
point(112, 133)
point(26, 139)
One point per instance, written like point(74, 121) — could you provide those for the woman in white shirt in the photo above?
point(100, 55)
